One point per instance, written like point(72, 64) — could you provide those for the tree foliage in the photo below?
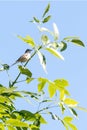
point(58, 95)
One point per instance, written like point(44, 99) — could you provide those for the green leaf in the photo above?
point(27, 115)
point(6, 66)
point(33, 127)
point(55, 53)
point(54, 116)
point(24, 128)
point(41, 85)
point(73, 112)
point(78, 42)
point(64, 46)
point(46, 19)
point(62, 107)
point(36, 20)
point(74, 40)
point(25, 71)
point(70, 102)
point(69, 38)
point(46, 10)
point(28, 40)
point(16, 122)
point(28, 80)
point(42, 60)
point(40, 118)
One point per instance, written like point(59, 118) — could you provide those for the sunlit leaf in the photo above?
point(62, 94)
point(41, 85)
point(25, 71)
point(73, 127)
point(46, 10)
point(70, 102)
point(42, 60)
point(28, 80)
point(67, 119)
point(61, 83)
point(55, 53)
point(51, 90)
point(4, 99)
point(78, 42)
point(28, 40)
point(16, 122)
point(55, 31)
point(11, 128)
point(46, 19)
point(2, 127)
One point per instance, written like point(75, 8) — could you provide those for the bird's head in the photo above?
point(28, 50)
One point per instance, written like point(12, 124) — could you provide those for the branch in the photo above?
point(24, 66)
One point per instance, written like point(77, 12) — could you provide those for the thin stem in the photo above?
point(10, 81)
point(46, 108)
point(24, 66)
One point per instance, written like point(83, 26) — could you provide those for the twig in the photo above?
point(24, 66)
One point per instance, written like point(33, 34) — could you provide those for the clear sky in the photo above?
point(71, 18)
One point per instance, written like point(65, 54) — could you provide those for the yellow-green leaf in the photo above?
point(28, 80)
point(2, 126)
point(73, 112)
point(16, 122)
point(51, 90)
point(70, 102)
point(4, 99)
point(62, 94)
point(28, 40)
point(42, 82)
point(55, 53)
point(61, 83)
point(25, 71)
point(67, 119)
point(11, 128)
point(73, 127)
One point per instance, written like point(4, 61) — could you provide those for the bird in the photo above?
point(24, 58)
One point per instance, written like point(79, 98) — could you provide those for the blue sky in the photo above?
point(70, 16)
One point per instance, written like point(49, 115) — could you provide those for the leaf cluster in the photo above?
point(57, 95)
